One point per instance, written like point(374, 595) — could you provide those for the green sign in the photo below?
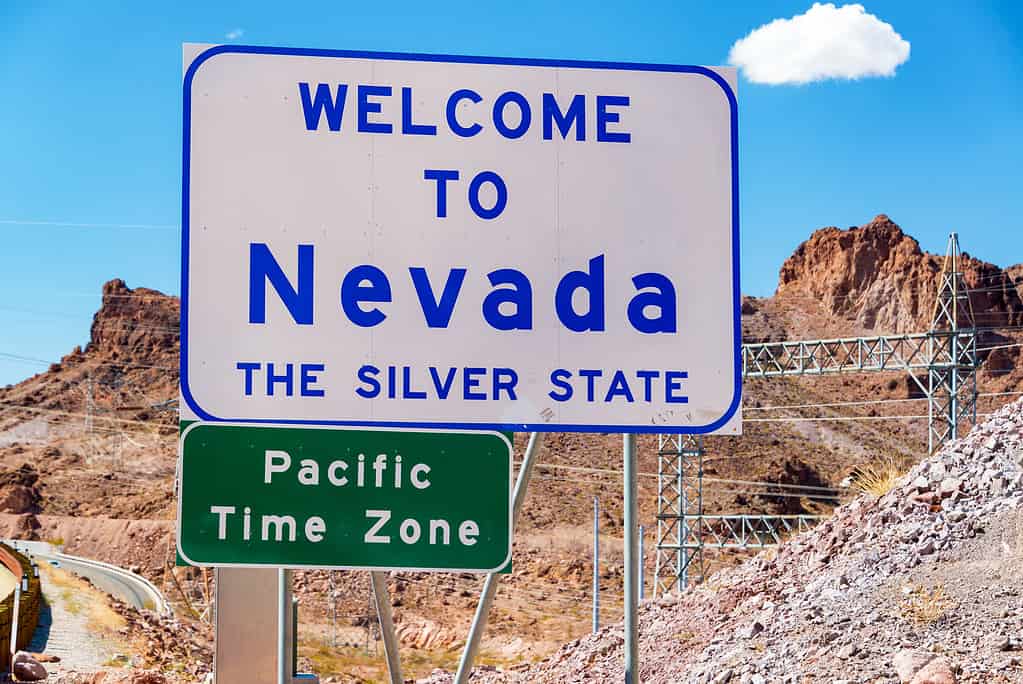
point(300, 497)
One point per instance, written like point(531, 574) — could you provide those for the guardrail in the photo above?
point(46, 550)
point(160, 604)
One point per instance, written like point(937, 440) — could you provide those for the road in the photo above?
point(122, 584)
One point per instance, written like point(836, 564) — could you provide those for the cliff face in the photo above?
point(130, 362)
point(879, 277)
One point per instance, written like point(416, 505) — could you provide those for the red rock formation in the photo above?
point(879, 277)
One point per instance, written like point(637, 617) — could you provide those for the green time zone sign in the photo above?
point(338, 497)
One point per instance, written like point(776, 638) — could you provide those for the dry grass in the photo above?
point(79, 597)
point(924, 606)
point(878, 478)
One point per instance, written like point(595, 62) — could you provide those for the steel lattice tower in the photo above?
point(952, 374)
point(679, 507)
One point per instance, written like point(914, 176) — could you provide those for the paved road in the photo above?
point(119, 583)
point(128, 591)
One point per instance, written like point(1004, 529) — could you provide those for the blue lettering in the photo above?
point(263, 266)
point(470, 382)
point(453, 124)
point(673, 385)
point(322, 102)
point(443, 388)
point(520, 296)
point(390, 382)
point(593, 283)
point(437, 313)
point(552, 115)
point(407, 127)
point(648, 376)
point(442, 176)
point(559, 378)
point(663, 300)
point(367, 375)
point(366, 108)
point(307, 379)
point(354, 293)
point(604, 117)
point(619, 388)
point(525, 116)
point(474, 195)
point(505, 379)
point(247, 368)
point(590, 375)
point(287, 379)
point(406, 385)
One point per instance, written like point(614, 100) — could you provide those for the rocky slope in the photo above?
point(920, 585)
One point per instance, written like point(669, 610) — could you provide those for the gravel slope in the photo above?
point(928, 577)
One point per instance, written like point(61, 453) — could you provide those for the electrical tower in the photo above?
point(948, 354)
point(679, 512)
point(952, 374)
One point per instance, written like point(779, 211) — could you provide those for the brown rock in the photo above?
point(879, 275)
point(27, 669)
point(938, 671)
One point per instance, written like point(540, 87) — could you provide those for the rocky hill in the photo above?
point(919, 584)
point(878, 278)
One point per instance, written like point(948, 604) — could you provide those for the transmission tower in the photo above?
point(952, 374)
point(947, 352)
point(679, 511)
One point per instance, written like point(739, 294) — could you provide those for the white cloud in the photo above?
point(234, 34)
point(826, 42)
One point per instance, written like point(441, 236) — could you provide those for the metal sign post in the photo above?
point(631, 493)
point(382, 599)
point(479, 620)
point(596, 564)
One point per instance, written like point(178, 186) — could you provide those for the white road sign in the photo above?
point(457, 242)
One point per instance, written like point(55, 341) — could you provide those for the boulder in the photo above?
point(908, 662)
point(27, 669)
point(938, 671)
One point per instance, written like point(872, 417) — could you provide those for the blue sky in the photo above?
point(91, 128)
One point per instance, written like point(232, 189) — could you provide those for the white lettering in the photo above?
point(223, 512)
point(372, 537)
point(414, 531)
point(309, 473)
point(315, 528)
point(279, 522)
point(443, 527)
point(414, 476)
point(332, 473)
point(275, 462)
point(467, 532)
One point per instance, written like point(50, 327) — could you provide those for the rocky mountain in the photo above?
point(878, 278)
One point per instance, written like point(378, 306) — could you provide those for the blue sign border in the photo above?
point(461, 59)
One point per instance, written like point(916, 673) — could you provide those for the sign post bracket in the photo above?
point(479, 620)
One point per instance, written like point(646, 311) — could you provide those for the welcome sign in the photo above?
point(452, 242)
